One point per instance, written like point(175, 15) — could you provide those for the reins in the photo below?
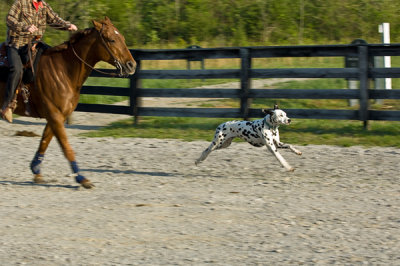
point(116, 61)
point(92, 68)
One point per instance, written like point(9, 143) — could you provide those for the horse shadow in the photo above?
point(32, 184)
point(53, 184)
point(67, 126)
point(127, 172)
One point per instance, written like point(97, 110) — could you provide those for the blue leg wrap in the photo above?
point(78, 178)
point(35, 164)
point(74, 167)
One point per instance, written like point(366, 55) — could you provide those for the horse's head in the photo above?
point(115, 51)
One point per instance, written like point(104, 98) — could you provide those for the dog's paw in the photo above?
point(291, 170)
point(299, 153)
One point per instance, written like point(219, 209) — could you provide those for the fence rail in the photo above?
point(364, 72)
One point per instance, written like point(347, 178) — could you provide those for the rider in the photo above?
point(26, 22)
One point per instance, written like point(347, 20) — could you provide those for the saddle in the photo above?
point(28, 73)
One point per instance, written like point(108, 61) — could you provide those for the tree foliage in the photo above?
point(230, 22)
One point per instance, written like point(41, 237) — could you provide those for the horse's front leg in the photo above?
point(57, 125)
point(39, 156)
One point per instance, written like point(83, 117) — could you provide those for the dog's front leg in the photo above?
point(288, 146)
point(278, 156)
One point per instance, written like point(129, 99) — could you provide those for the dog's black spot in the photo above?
point(248, 123)
point(246, 133)
point(255, 136)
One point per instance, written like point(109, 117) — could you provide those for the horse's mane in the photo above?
point(73, 39)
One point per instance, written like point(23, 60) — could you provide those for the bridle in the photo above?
point(117, 63)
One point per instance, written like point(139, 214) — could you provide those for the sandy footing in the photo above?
point(153, 206)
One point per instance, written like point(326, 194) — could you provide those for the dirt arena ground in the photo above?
point(153, 206)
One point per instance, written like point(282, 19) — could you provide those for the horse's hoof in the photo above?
point(86, 183)
point(83, 181)
point(38, 179)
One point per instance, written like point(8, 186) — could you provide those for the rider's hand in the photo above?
point(73, 28)
point(32, 28)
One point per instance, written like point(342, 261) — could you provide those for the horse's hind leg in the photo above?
point(39, 156)
point(57, 126)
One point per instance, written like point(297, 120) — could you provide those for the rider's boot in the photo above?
point(8, 109)
point(7, 114)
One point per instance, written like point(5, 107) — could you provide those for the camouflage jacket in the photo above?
point(23, 14)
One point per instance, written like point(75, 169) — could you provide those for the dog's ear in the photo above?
point(276, 107)
point(268, 111)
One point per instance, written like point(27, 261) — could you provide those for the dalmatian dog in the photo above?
point(259, 133)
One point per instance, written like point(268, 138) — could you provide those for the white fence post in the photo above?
point(383, 62)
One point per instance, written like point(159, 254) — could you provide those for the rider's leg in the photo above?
point(14, 77)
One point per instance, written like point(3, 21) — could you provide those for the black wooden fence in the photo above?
point(364, 72)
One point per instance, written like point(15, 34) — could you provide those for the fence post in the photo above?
point(245, 102)
point(364, 83)
point(134, 87)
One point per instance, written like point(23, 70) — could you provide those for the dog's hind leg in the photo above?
point(218, 142)
point(225, 144)
point(206, 152)
point(215, 145)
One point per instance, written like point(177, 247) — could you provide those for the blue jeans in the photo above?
point(16, 59)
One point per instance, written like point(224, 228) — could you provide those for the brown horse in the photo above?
point(61, 72)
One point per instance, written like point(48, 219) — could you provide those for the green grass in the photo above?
point(301, 132)
point(147, 83)
point(104, 99)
